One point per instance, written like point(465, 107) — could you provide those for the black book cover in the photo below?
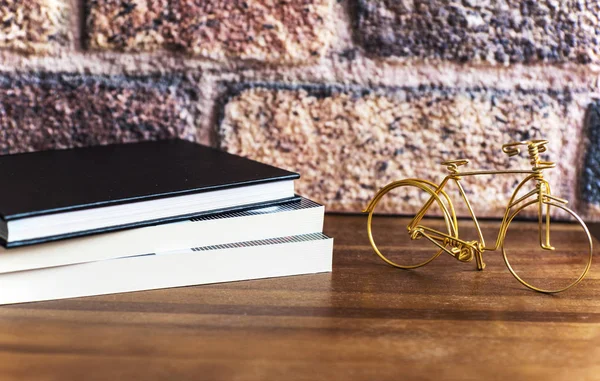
point(40, 183)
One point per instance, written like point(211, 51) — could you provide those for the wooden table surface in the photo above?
point(364, 321)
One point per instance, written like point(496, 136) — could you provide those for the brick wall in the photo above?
point(351, 93)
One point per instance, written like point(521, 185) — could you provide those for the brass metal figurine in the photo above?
point(448, 240)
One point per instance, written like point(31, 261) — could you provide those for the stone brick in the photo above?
point(347, 143)
point(590, 178)
point(506, 31)
point(33, 26)
point(273, 30)
point(45, 111)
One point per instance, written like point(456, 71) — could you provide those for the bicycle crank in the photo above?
point(464, 252)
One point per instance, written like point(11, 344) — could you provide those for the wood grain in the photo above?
point(364, 321)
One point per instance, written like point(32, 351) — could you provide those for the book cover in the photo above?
point(52, 184)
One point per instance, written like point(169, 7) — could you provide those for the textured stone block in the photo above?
point(40, 112)
point(273, 30)
point(348, 143)
point(590, 178)
point(33, 26)
point(506, 31)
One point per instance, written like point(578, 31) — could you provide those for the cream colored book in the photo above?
point(265, 258)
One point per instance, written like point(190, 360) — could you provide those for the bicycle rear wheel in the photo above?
point(543, 270)
point(392, 210)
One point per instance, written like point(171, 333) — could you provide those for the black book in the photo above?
point(59, 194)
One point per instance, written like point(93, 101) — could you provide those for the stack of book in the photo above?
point(131, 217)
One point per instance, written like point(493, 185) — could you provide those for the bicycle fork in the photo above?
point(544, 220)
point(544, 227)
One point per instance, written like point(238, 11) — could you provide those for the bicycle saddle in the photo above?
point(457, 162)
point(453, 165)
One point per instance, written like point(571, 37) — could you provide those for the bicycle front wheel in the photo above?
point(392, 210)
point(548, 270)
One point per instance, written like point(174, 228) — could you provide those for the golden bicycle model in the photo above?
point(446, 239)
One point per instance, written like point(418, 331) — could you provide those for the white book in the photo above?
point(275, 257)
point(294, 218)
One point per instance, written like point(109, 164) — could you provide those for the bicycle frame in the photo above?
point(464, 251)
point(541, 193)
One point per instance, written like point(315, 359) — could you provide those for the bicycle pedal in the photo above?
point(466, 255)
point(462, 253)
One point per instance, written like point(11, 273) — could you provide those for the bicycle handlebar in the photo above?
point(511, 148)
